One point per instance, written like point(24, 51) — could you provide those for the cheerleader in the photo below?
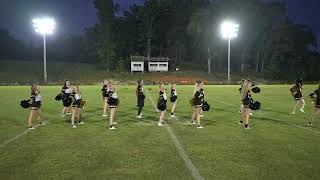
point(113, 102)
point(105, 95)
point(140, 98)
point(197, 101)
point(76, 109)
point(173, 99)
point(296, 92)
point(66, 98)
point(316, 100)
point(241, 85)
point(162, 104)
point(246, 100)
point(35, 106)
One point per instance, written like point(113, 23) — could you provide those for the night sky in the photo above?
point(73, 16)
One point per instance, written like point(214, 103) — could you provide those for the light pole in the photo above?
point(229, 30)
point(44, 26)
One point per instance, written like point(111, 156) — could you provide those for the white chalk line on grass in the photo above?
point(291, 124)
point(194, 171)
point(17, 136)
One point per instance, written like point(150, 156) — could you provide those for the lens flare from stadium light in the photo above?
point(44, 25)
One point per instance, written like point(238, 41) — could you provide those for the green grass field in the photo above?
point(279, 145)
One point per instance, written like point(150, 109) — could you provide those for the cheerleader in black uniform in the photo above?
point(296, 92)
point(113, 102)
point(241, 85)
point(246, 100)
point(140, 98)
point(316, 100)
point(162, 104)
point(66, 98)
point(197, 101)
point(173, 98)
point(105, 95)
point(35, 106)
point(76, 110)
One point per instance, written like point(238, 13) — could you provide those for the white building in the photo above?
point(155, 64)
point(137, 64)
point(158, 64)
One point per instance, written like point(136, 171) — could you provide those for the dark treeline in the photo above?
point(269, 43)
point(187, 31)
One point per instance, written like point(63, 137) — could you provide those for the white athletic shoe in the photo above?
point(68, 113)
point(73, 126)
point(293, 112)
point(250, 114)
point(104, 115)
point(201, 115)
point(192, 122)
point(139, 117)
point(173, 116)
point(160, 125)
point(63, 115)
point(310, 124)
point(200, 127)
point(31, 128)
point(114, 123)
point(82, 122)
point(112, 128)
point(42, 124)
point(302, 110)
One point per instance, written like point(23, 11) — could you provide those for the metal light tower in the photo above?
point(229, 30)
point(44, 26)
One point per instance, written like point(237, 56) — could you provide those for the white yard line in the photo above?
point(2, 145)
point(292, 124)
point(187, 161)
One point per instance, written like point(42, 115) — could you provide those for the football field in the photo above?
point(278, 146)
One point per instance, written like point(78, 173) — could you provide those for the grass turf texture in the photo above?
point(279, 145)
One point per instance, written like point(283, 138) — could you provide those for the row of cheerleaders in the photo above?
point(73, 102)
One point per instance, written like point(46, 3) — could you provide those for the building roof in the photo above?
point(153, 59)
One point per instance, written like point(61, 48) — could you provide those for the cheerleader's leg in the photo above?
point(198, 111)
point(78, 114)
point(72, 117)
point(173, 109)
point(39, 116)
point(105, 106)
point(302, 103)
point(194, 114)
point(30, 118)
point(295, 106)
point(112, 114)
point(315, 112)
point(161, 118)
point(246, 117)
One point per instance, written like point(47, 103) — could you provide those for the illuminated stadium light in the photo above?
point(44, 26)
point(229, 30)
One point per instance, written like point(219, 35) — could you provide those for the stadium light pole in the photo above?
point(44, 26)
point(229, 30)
